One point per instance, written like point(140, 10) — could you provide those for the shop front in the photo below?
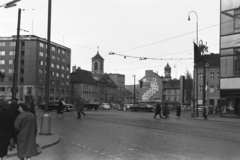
point(230, 103)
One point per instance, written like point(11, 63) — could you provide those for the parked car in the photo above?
point(105, 106)
point(142, 107)
point(54, 105)
point(116, 106)
point(129, 105)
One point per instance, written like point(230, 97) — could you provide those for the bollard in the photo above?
point(45, 128)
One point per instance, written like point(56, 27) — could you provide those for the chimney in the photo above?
point(74, 69)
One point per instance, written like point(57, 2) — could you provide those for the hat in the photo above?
point(3, 105)
point(24, 106)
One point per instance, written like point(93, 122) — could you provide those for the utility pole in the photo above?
point(15, 74)
point(45, 128)
point(134, 95)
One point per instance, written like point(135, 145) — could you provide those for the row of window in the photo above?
point(211, 89)
point(57, 82)
point(89, 87)
point(41, 63)
point(4, 44)
point(212, 75)
point(54, 74)
point(41, 54)
point(3, 53)
point(54, 49)
point(9, 71)
point(11, 61)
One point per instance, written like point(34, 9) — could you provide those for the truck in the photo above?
point(92, 104)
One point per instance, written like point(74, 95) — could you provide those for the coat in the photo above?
point(26, 127)
point(158, 108)
point(79, 106)
point(13, 108)
point(178, 111)
point(6, 131)
point(32, 107)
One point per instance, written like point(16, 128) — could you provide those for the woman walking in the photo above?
point(6, 129)
point(26, 128)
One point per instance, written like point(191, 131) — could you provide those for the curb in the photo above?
point(42, 147)
point(214, 120)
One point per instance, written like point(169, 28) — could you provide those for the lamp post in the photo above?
point(45, 128)
point(195, 95)
point(10, 4)
point(134, 95)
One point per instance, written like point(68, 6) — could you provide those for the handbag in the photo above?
point(39, 149)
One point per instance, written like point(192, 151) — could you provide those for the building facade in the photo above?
point(212, 90)
point(32, 68)
point(230, 57)
point(119, 80)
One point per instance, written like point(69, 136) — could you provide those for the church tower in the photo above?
point(97, 64)
point(167, 71)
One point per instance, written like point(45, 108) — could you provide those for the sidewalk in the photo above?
point(216, 118)
point(44, 141)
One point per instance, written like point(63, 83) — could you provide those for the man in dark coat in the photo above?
point(178, 111)
point(13, 108)
point(6, 128)
point(60, 107)
point(158, 110)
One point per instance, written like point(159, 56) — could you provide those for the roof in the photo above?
point(82, 76)
point(212, 59)
point(105, 79)
point(97, 56)
point(173, 84)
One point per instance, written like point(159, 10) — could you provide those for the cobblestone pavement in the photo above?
point(119, 135)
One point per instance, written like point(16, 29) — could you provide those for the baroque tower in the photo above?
point(97, 64)
point(167, 71)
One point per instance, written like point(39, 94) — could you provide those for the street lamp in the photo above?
point(193, 115)
point(134, 95)
point(196, 24)
point(10, 4)
point(45, 128)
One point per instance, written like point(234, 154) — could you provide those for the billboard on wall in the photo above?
point(147, 82)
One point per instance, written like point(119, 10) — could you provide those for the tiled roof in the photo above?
point(82, 76)
point(97, 56)
point(212, 59)
point(173, 84)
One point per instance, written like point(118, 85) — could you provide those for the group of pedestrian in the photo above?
point(18, 129)
point(166, 111)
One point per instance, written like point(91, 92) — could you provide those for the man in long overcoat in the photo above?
point(80, 107)
point(158, 110)
point(26, 128)
point(13, 108)
point(178, 110)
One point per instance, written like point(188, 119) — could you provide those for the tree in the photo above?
point(188, 86)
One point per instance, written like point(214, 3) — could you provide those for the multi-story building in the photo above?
point(153, 84)
point(32, 68)
point(212, 92)
point(83, 85)
point(107, 89)
point(131, 89)
point(119, 80)
point(230, 57)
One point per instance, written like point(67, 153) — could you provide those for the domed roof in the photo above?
point(167, 67)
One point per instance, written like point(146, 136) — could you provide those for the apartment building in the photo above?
point(32, 68)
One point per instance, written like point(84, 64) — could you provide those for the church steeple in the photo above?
point(98, 63)
point(167, 71)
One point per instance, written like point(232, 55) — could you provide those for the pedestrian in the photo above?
point(7, 129)
point(82, 107)
point(166, 111)
point(60, 108)
point(158, 110)
point(13, 108)
point(77, 108)
point(26, 129)
point(32, 107)
point(178, 110)
point(205, 113)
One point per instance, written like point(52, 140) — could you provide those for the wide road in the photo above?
point(126, 135)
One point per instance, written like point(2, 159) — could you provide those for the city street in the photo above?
point(126, 135)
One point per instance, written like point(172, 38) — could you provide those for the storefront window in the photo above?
point(227, 106)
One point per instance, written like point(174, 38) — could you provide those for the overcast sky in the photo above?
point(139, 28)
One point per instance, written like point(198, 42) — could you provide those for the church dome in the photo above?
point(167, 67)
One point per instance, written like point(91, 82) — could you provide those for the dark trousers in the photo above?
point(79, 114)
point(156, 113)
